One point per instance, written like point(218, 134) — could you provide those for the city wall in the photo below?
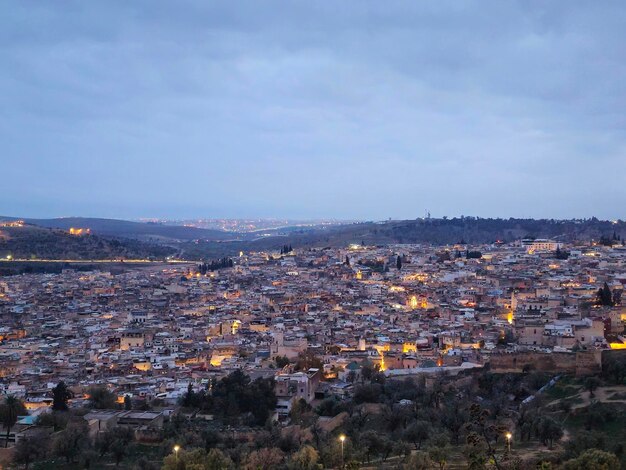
point(579, 363)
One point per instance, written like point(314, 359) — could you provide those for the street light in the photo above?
point(508, 439)
point(342, 438)
point(176, 449)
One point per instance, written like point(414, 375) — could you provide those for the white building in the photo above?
point(539, 244)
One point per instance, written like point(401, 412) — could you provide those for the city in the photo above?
point(312, 235)
point(327, 328)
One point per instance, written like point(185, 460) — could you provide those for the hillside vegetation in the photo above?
point(470, 230)
point(130, 229)
point(31, 242)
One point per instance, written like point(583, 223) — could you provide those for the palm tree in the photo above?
point(9, 411)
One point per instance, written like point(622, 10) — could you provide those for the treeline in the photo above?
point(443, 231)
point(468, 254)
point(286, 249)
point(610, 241)
point(471, 230)
point(214, 265)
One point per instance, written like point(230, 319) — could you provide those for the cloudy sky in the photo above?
point(348, 109)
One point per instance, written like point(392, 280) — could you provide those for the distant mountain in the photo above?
point(197, 243)
point(146, 231)
point(467, 230)
point(474, 230)
point(33, 242)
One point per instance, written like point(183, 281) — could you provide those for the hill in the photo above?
point(198, 243)
point(146, 231)
point(33, 242)
point(466, 230)
point(471, 230)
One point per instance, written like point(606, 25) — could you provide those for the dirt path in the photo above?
point(601, 394)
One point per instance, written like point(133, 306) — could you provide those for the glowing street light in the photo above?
point(509, 436)
point(342, 438)
point(176, 449)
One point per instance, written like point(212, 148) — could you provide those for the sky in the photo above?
point(313, 109)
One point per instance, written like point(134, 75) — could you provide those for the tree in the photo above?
point(299, 410)
point(55, 419)
point(263, 459)
point(591, 384)
point(614, 367)
point(585, 440)
point(101, 398)
point(418, 461)
point(482, 438)
point(104, 441)
point(115, 441)
point(119, 449)
point(417, 433)
point(60, 396)
point(561, 254)
point(371, 443)
point(439, 450)
point(70, 442)
point(604, 296)
point(367, 370)
point(454, 417)
point(304, 459)
point(308, 360)
point(329, 407)
point(128, 403)
point(235, 394)
point(189, 399)
point(197, 459)
point(261, 400)
point(87, 457)
point(216, 460)
point(9, 411)
point(593, 459)
point(399, 263)
point(281, 361)
point(549, 431)
point(368, 393)
point(31, 448)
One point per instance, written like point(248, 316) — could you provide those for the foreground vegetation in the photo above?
point(434, 423)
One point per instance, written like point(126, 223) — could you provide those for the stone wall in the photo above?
point(579, 363)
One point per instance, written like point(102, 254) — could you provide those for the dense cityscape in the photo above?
point(312, 235)
point(348, 346)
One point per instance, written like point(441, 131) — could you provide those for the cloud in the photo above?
point(302, 109)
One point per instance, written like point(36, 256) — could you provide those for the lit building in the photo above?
point(539, 244)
